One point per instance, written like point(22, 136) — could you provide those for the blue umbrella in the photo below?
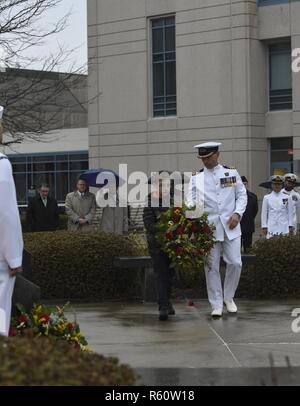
point(91, 177)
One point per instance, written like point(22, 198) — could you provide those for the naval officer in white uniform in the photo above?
point(11, 241)
point(290, 180)
point(277, 213)
point(225, 200)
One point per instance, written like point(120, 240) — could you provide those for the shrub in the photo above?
point(77, 265)
point(54, 363)
point(277, 272)
point(140, 240)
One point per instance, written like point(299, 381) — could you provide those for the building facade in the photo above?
point(48, 111)
point(165, 75)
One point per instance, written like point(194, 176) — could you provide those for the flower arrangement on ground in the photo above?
point(44, 321)
point(186, 241)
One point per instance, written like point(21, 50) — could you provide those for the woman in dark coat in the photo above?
point(161, 262)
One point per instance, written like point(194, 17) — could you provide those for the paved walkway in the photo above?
point(191, 348)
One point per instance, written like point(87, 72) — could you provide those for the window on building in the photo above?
point(164, 66)
point(270, 2)
point(60, 171)
point(281, 154)
point(280, 61)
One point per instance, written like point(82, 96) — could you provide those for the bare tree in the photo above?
point(33, 100)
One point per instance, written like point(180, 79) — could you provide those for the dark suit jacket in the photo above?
point(41, 218)
point(151, 217)
point(248, 219)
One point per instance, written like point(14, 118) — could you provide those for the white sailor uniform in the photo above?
point(296, 206)
point(224, 194)
point(11, 241)
point(277, 213)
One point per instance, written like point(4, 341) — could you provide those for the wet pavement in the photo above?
point(256, 346)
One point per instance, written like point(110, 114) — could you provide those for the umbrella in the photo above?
point(267, 185)
point(92, 179)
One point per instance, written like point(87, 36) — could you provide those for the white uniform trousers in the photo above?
point(232, 258)
point(7, 283)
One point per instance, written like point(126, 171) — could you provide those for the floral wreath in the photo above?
point(44, 321)
point(186, 241)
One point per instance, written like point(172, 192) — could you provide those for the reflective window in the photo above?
point(270, 2)
point(164, 66)
point(60, 171)
point(280, 61)
point(281, 151)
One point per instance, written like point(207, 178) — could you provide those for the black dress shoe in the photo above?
point(171, 310)
point(163, 313)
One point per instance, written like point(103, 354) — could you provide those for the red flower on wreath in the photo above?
point(195, 227)
point(206, 229)
point(22, 318)
point(70, 326)
point(180, 230)
point(169, 236)
point(44, 318)
point(179, 250)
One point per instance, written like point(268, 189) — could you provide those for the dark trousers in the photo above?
point(247, 241)
point(163, 276)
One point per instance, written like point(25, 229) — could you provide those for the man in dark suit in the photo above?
point(248, 219)
point(42, 212)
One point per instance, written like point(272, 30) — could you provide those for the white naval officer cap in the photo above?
point(1, 112)
point(276, 179)
point(291, 176)
point(207, 149)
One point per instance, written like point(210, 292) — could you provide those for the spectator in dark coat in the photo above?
point(248, 219)
point(161, 262)
point(42, 211)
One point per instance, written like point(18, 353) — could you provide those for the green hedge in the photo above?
point(55, 363)
point(63, 222)
point(276, 274)
point(78, 265)
point(74, 265)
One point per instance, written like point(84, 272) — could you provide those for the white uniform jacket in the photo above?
point(223, 193)
point(11, 240)
point(296, 204)
point(277, 213)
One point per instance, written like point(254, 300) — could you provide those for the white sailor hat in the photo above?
point(1, 112)
point(207, 149)
point(276, 179)
point(291, 176)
